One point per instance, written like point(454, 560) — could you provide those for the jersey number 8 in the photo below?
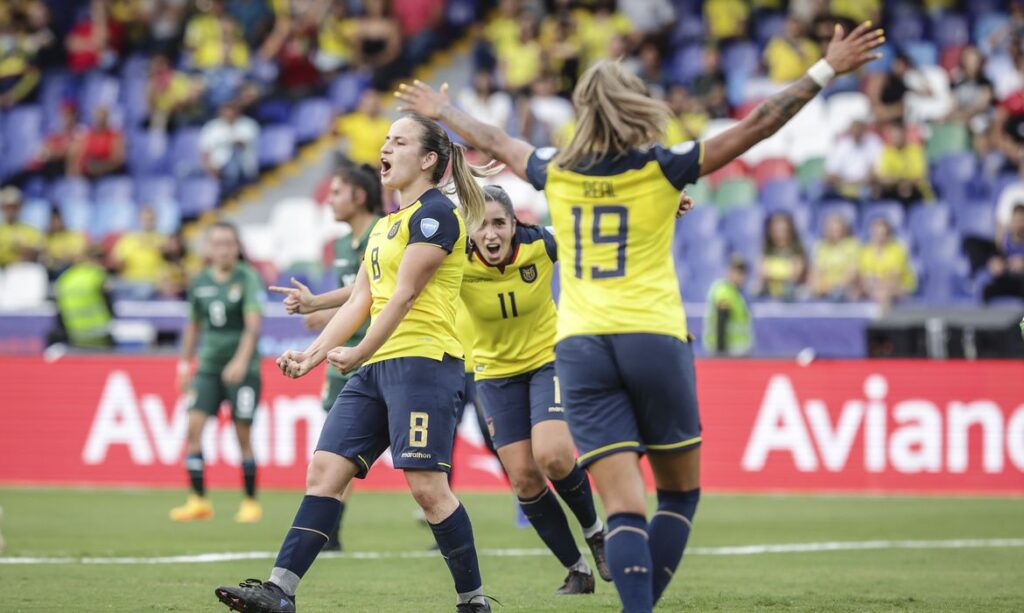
point(418, 421)
point(598, 238)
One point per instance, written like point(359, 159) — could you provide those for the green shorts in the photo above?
point(332, 387)
point(208, 392)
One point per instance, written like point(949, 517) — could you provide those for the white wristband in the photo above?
point(821, 72)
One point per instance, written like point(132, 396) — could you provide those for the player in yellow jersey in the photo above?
point(507, 291)
point(623, 354)
point(408, 368)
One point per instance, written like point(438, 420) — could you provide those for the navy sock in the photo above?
point(575, 491)
point(196, 473)
point(629, 559)
point(669, 530)
point(549, 521)
point(249, 476)
point(313, 521)
point(335, 534)
point(454, 537)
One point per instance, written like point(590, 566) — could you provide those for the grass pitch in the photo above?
point(387, 571)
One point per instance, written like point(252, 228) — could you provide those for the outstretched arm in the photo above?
point(495, 142)
point(845, 54)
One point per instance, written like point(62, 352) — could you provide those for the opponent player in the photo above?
point(407, 391)
point(355, 199)
point(225, 305)
point(507, 290)
point(623, 355)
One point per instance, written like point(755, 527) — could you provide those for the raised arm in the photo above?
point(845, 54)
point(495, 142)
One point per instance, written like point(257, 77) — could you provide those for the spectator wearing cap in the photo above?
point(19, 242)
point(363, 132)
point(783, 259)
point(227, 147)
point(884, 272)
point(728, 326)
point(790, 55)
point(834, 267)
point(902, 169)
point(850, 162)
point(98, 150)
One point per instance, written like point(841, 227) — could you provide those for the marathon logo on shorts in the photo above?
point(528, 273)
point(416, 455)
point(394, 229)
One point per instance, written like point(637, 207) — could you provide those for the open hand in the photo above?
point(297, 299)
point(421, 98)
point(346, 359)
point(848, 53)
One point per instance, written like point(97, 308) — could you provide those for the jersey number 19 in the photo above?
point(597, 237)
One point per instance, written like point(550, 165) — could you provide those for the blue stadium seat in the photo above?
point(53, 92)
point(928, 220)
point(155, 188)
point(985, 23)
point(686, 63)
point(276, 145)
point(798, 211)
point(69, 188)
point(710, 253)
point(768, 26)
point(134, 98)
point(198, 195)
point(148, 152)
point(311, 118)
point(976, 8)
point(113, 217)
point(36, 213)
point(168, 215)
point(460, 13)
point(184, 155)
point(891, 210)
point(953, 175)
point(781, 192)
point(741, 57)
point(113, 189)
point(346, 90)
point(922, 53)
point(950, 29)
point(688, 29)
point(743, 227)
point(976, 220)
point(696, 226)
point(76, 213)
point(697, 284)
point(98, 89)
point(22, 133)
point(906, 27)
point(940, 248)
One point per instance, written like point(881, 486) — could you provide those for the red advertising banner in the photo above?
point(856, 426)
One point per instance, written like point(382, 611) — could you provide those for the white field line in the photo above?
point(740, 550)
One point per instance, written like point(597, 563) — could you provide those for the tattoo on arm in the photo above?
point(774, 112)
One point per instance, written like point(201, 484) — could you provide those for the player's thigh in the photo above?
point(658, 373)
point(677, 472)
point(523, 472)
point(329, 474)
point(245, 397)
point(357, 425)
point(207, 393)
point(506, 406)
point(422, 397)
point(599, 411)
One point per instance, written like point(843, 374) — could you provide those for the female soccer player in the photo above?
point(623, 355)
point(507, 292)
point(410, 370)
point(225, 306)
point(354, 198)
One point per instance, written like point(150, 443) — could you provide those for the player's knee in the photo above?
point(555, 462)
point(527, 482)
point(322, 480)
point(429, 495)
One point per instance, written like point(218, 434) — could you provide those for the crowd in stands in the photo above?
point(120, 119)
point(900, 184)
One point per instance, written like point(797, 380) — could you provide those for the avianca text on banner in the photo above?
point(848, 426)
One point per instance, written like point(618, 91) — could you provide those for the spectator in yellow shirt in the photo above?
point(783, 260)
point(789, 56)
point(597, 33)
point(522, 64)
point(834, 270)
point(857, 11)
point(173, 95)
point(884, 269)
point(726, 18)
point(364, 130)
point(688, 118)
point(902, 169)
point(63, 246)
point(503, 31)
point(19, 242)
point(336, 33)
point(138, 256)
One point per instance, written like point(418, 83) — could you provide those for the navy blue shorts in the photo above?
point(628, 392)
point(407, 403)
point(513, 405)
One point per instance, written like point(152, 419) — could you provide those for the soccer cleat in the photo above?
point(196, 508)
point(596, 544)
point(480, 606)
point(255, 596)
point(249, 512)
point(577, 583)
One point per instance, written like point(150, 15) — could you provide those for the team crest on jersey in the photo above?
point(235, 292)
point(429, 226)
point(528, 273)
point(394, 229)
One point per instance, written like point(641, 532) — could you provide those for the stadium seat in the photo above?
point(346, 90)
point(954, 174)
point(780, 192)
point(184, 154)
point(985, 23)
point(810, 171)
point(36, 213)
point(847, 209)
point(950, 29)
point(772, 169)
point(890, 210)
point(735, 169)
point(460, 13)
point(698, 282)
point(736, 192)
point(311, 118)
point(699, 191)
point(939, 282)
point(198, 195)
point(844, 108)
point(113, 217)
point(696, 226)
point(168, 215)
point(98, 89)
point(113, 189)
point(769, 26)
point(76, 213)
point(921, 52)
point(798, 211)
point(943, 247)
point(928, 220)
point(148, 152)
point(22, 130)
point(743, 227)
point(741, 58)
point(686, 63)
point(52, 95)
point(155, 188)
point(976, 220)
point(276, 145)
point(24, 286)
point(906, 27)
point(69, 188)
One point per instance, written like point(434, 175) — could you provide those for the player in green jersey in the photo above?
point(225, 304)
point(355, 198)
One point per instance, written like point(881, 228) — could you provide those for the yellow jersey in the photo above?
point(428, 329)
point(512, 309)
point(614, 223)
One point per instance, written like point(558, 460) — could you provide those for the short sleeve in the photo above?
point(253, 296)
point(434, 223)
point(549, 243)
point(537, 166)
point(680, 163)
